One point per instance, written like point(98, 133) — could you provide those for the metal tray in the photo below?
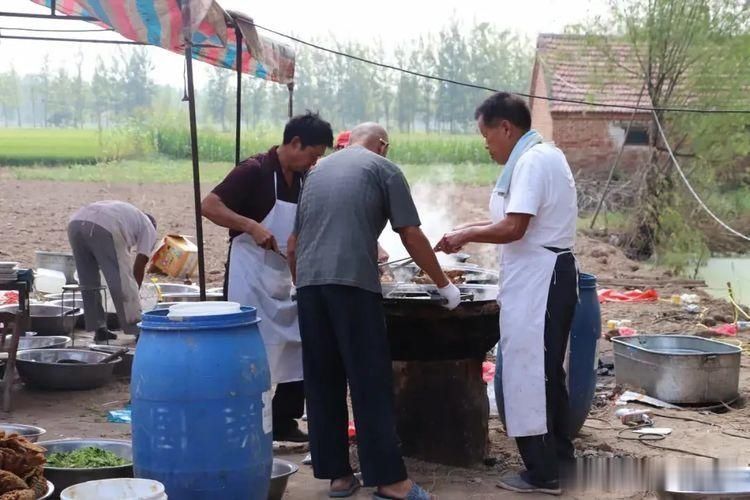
point(678, 368)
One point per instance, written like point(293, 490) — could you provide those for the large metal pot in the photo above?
point(420, 329)
point(42, 368)
point(72, 302)
point(280, 473)
point(68, 477)
point(47, 319)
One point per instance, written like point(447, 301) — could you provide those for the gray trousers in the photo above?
point(94, 249)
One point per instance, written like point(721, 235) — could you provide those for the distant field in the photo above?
point(170, 140)
point(153, 153)
point(163, 170)
point(48, 146)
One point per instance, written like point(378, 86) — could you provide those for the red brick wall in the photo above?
point(541, 118)
point(591, 141)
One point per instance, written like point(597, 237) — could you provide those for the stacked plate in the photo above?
point(8, 272)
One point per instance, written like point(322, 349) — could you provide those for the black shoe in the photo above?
point(102, 335)
point(293, 435)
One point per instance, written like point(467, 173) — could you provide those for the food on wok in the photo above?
point(89, 457)
point(457, 277)
point(21, 468)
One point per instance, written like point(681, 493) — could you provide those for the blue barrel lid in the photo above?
point(158, 320)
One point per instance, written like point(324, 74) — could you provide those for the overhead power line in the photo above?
point(690, 188)
point(491, 89)
point(38, 30)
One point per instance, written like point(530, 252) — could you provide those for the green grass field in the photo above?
point(161, 153)
point(164, 170)
point(48, 146)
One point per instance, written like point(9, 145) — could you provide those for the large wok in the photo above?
point(419, 328)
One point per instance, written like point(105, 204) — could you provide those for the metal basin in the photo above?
point(68, 477)
point(707, 483)
point(678, 368)
point(30, 432)
point(50, 490)
point(280, 473)
point(75, 300)
point(69, 301)
point(41, 368)
point(40, 342)
point(123, 369)
point(48, 319)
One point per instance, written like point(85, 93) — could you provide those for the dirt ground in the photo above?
point(34, 216)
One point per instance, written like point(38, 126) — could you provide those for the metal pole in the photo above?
point(290, 86)
point(238, 33)
point(617, 160)
point(188, 36)
point(52, 7)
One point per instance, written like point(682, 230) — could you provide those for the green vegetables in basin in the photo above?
point(85, 458)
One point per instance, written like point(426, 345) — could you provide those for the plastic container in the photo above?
point(115, 489)
point(207, 308)
point(583, 357)
point(49, 281)
point(201, 406)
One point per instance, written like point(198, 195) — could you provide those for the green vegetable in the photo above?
point(85, 458)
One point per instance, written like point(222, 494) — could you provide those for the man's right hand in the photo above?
point(263, 237)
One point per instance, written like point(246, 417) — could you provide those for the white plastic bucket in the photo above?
point(115, 489)
point(49, 280)
point(207, 308)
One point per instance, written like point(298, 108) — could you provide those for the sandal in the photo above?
point(354, 485)
point(415, 493)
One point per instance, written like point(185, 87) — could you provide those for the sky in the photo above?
point(392, 21)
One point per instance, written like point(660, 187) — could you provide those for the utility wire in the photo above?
point(38, 30)
point(690, 188)
point(491, 89)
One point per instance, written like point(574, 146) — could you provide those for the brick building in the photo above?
point(581, 68)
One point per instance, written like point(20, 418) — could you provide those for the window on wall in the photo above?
point(637, 136)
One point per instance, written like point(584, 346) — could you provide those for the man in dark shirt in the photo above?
point(257, 202)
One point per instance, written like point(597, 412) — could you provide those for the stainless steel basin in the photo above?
point(280, 473)
point(47, 319)
point(30, 432)
point(42, 368)
point(68, 477)
point(40, 342)
point(678, 368)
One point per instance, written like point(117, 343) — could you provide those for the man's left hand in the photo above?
point(452, 242)
point(382, 255)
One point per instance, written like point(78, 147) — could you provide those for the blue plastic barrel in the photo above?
point(583, 353)
point(582, 356)
point(201, 413)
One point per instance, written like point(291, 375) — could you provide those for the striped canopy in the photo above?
point(159, 22)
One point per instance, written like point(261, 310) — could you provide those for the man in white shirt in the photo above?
point(533, 213)
point(102, 236)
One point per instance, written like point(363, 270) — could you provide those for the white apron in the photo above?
point(525, 272)
point(261, 278)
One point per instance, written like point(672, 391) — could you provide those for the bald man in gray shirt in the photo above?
point(346, 201)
